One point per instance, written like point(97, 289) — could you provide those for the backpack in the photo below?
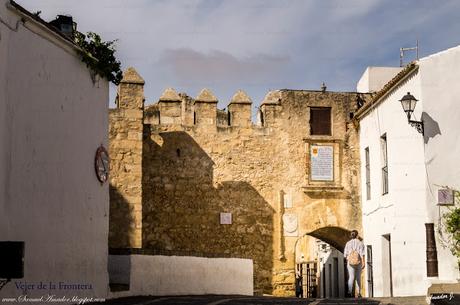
point(354, 259)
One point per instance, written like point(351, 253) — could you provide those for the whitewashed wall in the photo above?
point(401, 212)
point(374, 78)
point(440, 75)
point(181, 275)
point(418, 167)
point(52, 119)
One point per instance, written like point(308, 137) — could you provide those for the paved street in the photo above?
point(245, 300)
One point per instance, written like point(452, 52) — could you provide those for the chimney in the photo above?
point(65, 25)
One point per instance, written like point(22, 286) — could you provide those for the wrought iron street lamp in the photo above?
point(408, 103)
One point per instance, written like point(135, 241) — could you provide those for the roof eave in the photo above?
point(380, 95)
point(12, 5)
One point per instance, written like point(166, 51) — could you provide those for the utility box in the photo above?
point(11, 259)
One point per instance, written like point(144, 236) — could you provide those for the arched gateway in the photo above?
point(320, 264)
point(337, 237)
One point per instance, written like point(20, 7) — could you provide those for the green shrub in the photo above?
point(452, 221)
point(99, 56)
point(451, 225)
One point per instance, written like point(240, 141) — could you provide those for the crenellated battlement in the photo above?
point(201, 112)
point(175, 108)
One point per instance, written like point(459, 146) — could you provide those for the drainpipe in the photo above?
point(431, 253)
point(280, 223)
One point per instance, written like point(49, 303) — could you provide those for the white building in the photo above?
point(402, 171)
point(53, 118)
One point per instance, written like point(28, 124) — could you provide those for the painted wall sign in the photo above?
point(445, 196)
point(322, 163)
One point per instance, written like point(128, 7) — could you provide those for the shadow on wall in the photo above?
point(182, 206)
point(430, 126)
point(121, 223)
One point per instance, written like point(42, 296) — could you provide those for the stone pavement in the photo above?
point(254, 300)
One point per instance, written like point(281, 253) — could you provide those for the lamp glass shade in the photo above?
point(408, 102)
point(408, 105)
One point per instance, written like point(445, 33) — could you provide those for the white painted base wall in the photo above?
point(181, 275)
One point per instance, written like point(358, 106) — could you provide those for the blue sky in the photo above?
point(256, 45)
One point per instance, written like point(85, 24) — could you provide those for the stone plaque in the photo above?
point(287, 199)
point(322, 163)
point(225, 218)
point(290, 224)
point(445, 196)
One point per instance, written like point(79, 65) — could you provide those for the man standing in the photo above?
point(354, 253)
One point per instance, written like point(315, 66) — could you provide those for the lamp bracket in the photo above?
point(418, 125)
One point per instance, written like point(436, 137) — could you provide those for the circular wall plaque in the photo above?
point(101, 164)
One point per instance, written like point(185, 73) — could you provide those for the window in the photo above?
point(229, 118)
point(383, 149)
point(320, 121)
point(368, 174)
point(370, 275)
point(261, 117)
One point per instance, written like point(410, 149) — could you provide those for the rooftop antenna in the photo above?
point(402, 50)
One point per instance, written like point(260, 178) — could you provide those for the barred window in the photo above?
point(320, 121)
point(383, 148)
point(368, 174)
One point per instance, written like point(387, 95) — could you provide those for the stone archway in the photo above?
point(328, 262)
point(334, 236)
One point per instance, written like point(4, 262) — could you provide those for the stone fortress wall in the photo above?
point(178, 164)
